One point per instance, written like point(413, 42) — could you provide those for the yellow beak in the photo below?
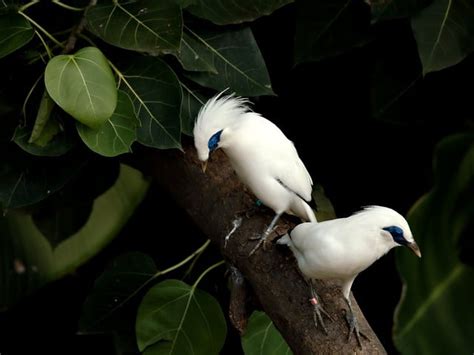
point(415, 249)
point(204, 166)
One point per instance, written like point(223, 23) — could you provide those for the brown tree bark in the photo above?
point(212, 200)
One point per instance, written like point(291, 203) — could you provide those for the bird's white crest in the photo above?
point(218, 113)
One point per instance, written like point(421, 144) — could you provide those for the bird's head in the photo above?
point(392, 228)
point(215, 119)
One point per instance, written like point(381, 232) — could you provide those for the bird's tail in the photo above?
point(285, 240)
point(309, 212)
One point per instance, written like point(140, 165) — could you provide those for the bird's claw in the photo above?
point(318, 312)
point(353, 325)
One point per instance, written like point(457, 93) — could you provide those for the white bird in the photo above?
point(340, 249)
point(263, 158)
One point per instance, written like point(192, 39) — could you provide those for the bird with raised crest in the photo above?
point(262, 156)
point(341, 248)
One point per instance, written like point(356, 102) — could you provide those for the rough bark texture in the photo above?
point(212, 200)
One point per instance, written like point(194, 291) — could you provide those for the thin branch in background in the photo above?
point(75, 33)
point(69, 7)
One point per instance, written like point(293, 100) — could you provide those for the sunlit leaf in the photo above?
point(83, 85)
point(328, 28)
point(444, 32)
point(156, 95)
point(117, 134)
point(28, 260)
point(224, 12)
point(262, 338)
point(15, 32)
point(237, 58)
point(195, 56)
point(144, 25)
point(435, 314)
point(175, 318)
point(190, 106)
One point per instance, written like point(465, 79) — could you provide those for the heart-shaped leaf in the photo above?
point(175, 318)
point(224, 12)
point(28, 260)
point(25, 181)
point(156, 95)
point(145, 25)
point(190, 106)
point(106, 307)
point(115, 136)
point(435, 314)
point(444, 32)
point(195, 56)
point(393, 9)
point(262, 338)
point(15, 32)
point(328, 28)
point(50, 134)
point(83, 85)
point(238, 61)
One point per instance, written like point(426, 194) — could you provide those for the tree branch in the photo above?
point(212, 200)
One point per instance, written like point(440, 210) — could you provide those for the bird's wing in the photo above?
point(292, 173)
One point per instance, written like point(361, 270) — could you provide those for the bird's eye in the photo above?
point(214, 141)
point(397, 234)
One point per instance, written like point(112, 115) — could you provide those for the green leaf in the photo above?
point(54, 140)
point(83, 85)
point(261, 337)
point(444, 32)
point(42, 117)
point(225, 12)
point(435, 314)
point(28, 260)
point(175, 318)
point(328, 28)
point(190, 106)
point(15, 32)
point(394, 9)
point(156, 95)
point(195, 56)
point(65, 212)
point(105, 307)
point(115, 136)
point(145, 25)
point(238, 61)
point(25, 181)
point(325, 210)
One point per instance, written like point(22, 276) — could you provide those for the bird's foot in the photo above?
point(353, 325)
point(318, 312)
point(263, 240)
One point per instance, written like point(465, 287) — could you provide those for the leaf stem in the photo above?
point(45, 45)
point(184, 261)
point(38, 26)
point(153, 277)
point(27, 5)
point(68, 7)
point(206, 271)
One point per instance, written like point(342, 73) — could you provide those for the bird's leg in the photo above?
point(262, 239)
point(318, 310)
point(353, 324)
point(251, 211)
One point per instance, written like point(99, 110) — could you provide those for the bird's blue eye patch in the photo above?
point(397, 234)
point(214, 141)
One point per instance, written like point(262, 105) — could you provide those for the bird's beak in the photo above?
point(415, 249)
point(204, 166)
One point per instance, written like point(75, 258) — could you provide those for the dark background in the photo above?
point(359, 158)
